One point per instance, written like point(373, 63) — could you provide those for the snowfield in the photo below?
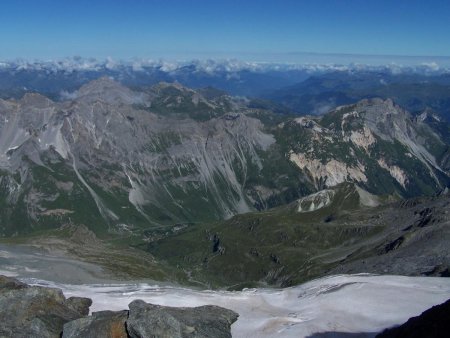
point(338, 305)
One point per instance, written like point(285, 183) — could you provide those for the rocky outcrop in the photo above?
point(79, 304)
point(433, 323)
point(332, 172)
point(34, 311)
point(148, 320)
point(102, 324)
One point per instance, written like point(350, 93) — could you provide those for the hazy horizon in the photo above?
point(294, 58)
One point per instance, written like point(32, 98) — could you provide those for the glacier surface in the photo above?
point(339, 305)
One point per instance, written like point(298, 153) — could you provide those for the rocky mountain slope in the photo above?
point(120, 161)
point(375, 143)
point(164, 155)
point(343, 229)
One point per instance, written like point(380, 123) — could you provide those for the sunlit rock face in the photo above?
point(372, 137)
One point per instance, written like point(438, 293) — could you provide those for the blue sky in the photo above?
point(243, 29)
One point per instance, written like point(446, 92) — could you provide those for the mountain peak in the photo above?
point(35, 100)
point(102, 84)
point(110, 91)
point(384, 105)
point(429, 115)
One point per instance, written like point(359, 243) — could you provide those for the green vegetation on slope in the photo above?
point(279, 246)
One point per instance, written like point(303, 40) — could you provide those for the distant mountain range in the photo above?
point(159, 165)
point(171, 154)
point(321, 93)
point(296, 88)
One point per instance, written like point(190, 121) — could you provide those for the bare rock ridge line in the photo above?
point(32, 311)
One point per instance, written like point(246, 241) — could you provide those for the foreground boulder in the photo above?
point(33, 311)
point(102, 324)
point(148, 320)
point(432, 323)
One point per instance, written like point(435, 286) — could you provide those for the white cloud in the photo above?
point(229, 66)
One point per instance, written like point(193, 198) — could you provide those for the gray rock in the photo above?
point(8, 283)
point(32, 311)
point(103, 324)
point(79, 304)
point(148, 320)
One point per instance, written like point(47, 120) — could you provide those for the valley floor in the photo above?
point(30, 262)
